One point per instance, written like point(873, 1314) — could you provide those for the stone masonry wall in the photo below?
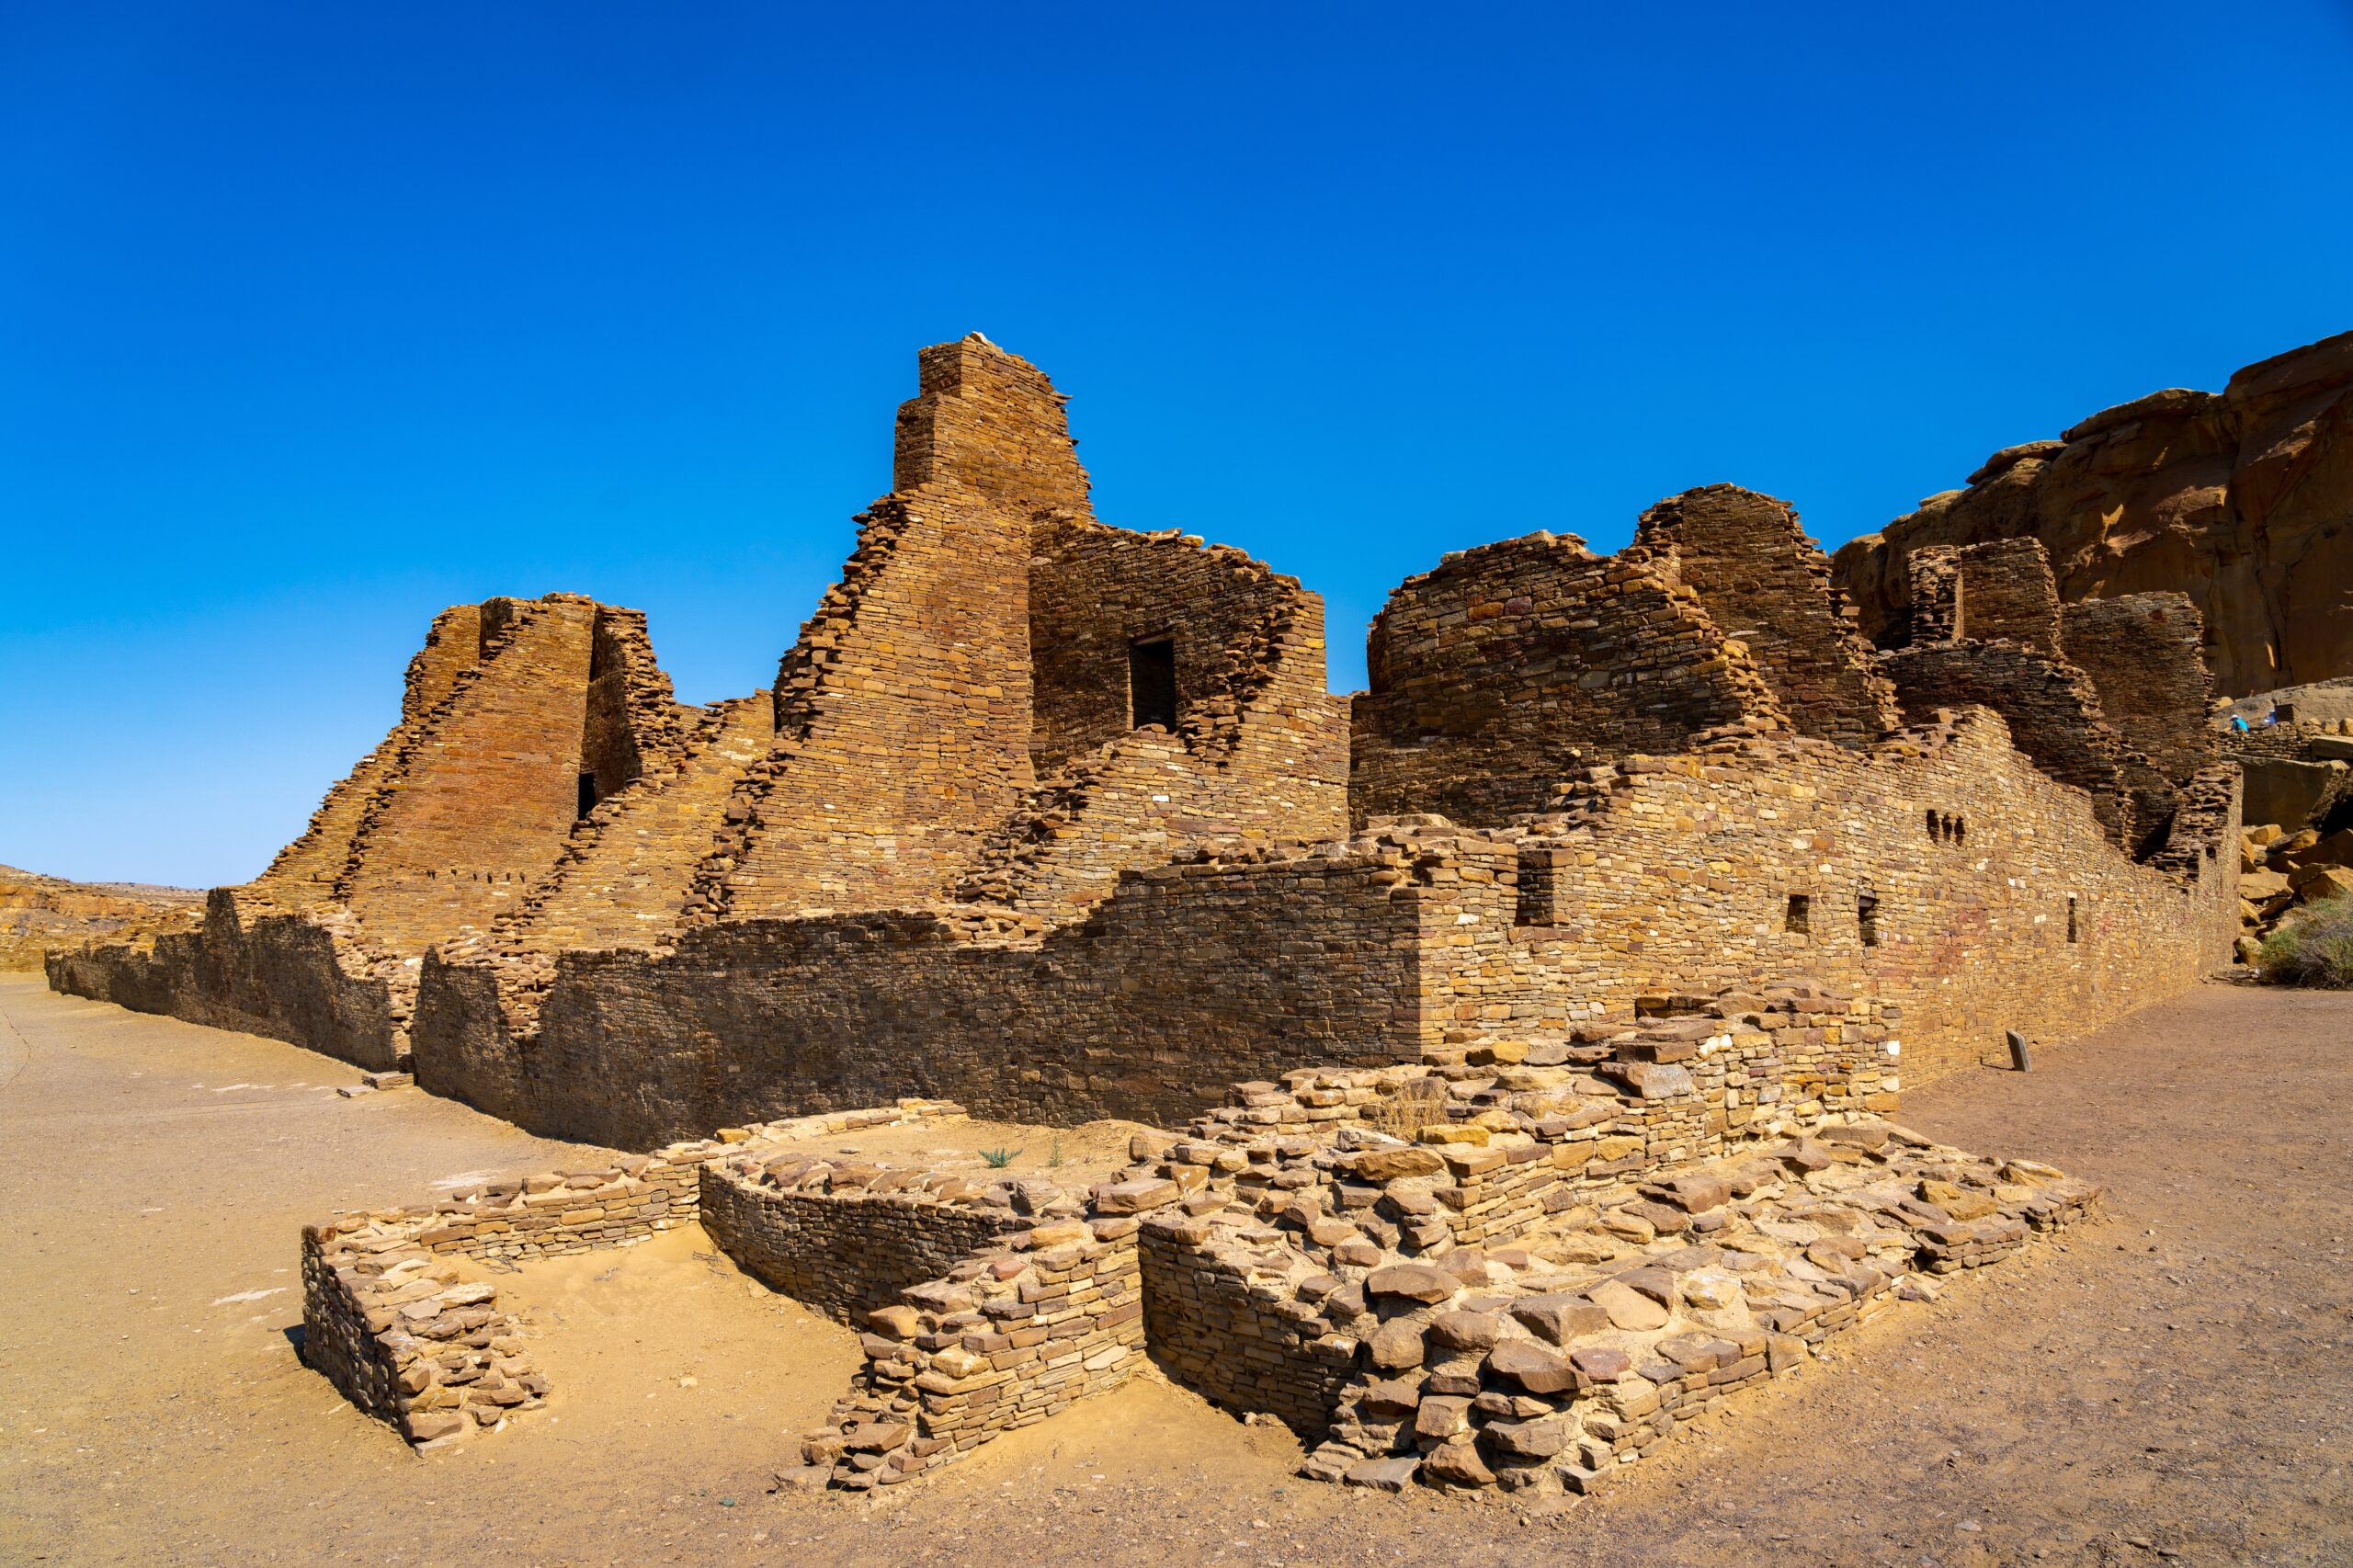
point(2051, 710)
point(2008, 593)
point(1994, 897)
point(1511, 666)
point(903, 719)
point(487, 801)
point(300, 978)
point(394, 1319)
point(1260, 750)
point(1147, 1008)
point(1669, 874)
point(852, 1243)
point(1767, 586)
point(2142, 653)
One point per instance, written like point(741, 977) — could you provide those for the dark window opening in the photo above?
point(1961, 830)
point(588, 793)
point(2071, 917)
point(1935, 825)
point(1152, 683)
point(1800, 914)
point(1867, 917)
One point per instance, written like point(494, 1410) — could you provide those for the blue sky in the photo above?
point(314, 319)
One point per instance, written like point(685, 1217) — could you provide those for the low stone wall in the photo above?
point(1054, 1315)
point(409, 1341)
point(854, 1237)
point(252, 967)
point(389, 1317)
point(1242, 1345)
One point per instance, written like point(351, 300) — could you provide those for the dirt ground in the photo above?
point(2171, 1383)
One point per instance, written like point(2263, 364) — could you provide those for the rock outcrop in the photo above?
point(2242, 499)
point(39, 912)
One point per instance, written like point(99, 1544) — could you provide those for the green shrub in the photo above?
point(999, 1158)
point(2312, 947)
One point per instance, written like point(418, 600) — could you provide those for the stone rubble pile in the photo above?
point(1540, 1367)
point(2281, 873)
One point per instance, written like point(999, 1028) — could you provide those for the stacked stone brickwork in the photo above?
point(1522, 1263)
point(843, 1236)
point(2239, 499)
point(467, 803)
point(1008, 1337)
point(1510, 667)
point(1259, 750)
point(2001, 640)
point(1767, 586)
point(2141, 652)
point(393, 1319)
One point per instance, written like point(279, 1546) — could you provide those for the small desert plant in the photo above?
point(1054, 1156)
point(2312, 947)
point(1412, 1105)
point(997, 1159)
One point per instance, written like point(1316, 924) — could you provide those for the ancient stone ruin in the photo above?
point(1527, 1029)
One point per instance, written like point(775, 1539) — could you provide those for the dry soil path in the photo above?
point(2175, 1379)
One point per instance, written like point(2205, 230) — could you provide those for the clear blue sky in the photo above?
point(315, 318)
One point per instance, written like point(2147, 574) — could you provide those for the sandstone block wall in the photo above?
point(304, 979)
point(1767, 586)
point(2142, 653)
point(1147, 1008)
point(903, 719)
point(845, 1248)
point(1502, 673)
point(305, 872)
point(489, 800)
point(391, 1318)
point(2238, 499)
point(1941, 872)
point(2051, 708)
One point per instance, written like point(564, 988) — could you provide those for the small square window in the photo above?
point(1800, 915)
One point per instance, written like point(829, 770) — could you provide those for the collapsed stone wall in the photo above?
point(902, 720)
point(1767, 586)
point(305, 872)
point(468, 802)
point(481, 808)
point(2239, 499)
point(1502, 673)
point(2050, 707)
point(1989, 629)
point(2141, 652)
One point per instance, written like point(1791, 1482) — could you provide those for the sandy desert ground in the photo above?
point(2173, 1381)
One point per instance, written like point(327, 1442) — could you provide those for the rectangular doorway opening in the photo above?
point(1799, 917)
point(1867, 917)
point(1152, 683)
point(588, 793)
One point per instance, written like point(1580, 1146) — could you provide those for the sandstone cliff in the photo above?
point(2243, 499)
point(39, 912)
